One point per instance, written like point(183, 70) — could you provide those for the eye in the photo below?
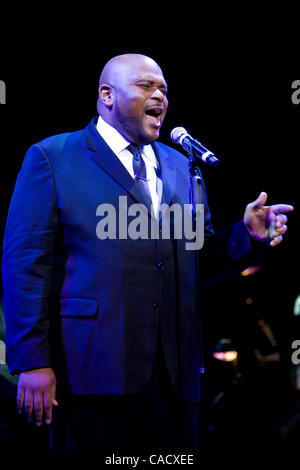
point(146, 86)
point(151, 87)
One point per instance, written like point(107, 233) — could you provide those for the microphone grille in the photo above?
point(177, 134)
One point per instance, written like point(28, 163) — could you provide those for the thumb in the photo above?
point(261, 200)
point(54, 402)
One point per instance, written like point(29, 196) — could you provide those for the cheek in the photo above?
point(132, 105)
point(137, 107)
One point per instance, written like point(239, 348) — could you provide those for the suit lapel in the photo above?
point(104, 157)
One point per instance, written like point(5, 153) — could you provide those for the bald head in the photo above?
point(119, 65)
point(132, 97)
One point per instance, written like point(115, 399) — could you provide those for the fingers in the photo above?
point(279, 208)
point(276, 208)
point(33, 406)
point(280, 231)
point(278, 228)
point(49, 402)
point(280, 220)
point(28, 404)
point(276, 241)
point(37, 403)
point(48, 407)
point(53, 390)
point(20, 399)
point(38, 407)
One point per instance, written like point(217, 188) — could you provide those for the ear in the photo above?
point(106, 95)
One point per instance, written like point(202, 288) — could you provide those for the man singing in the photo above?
point(107, 330)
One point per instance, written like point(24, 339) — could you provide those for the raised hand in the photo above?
point(266, 223)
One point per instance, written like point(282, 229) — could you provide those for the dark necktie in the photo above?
point(139, 169)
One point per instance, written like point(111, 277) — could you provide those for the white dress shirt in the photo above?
point(118, 144)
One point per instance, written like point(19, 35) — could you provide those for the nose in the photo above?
point(158, 95)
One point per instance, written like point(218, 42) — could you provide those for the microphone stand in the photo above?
point(195, 197)
point(194, 185)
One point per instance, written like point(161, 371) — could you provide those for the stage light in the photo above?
point(251, 270)
point(224, 351)
point(227, 356)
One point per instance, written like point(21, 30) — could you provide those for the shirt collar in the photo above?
point(117, 142)
point(112, 137)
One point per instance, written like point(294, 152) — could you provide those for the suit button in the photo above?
point(156, 306)
point(160, 264)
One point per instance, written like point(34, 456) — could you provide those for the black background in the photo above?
point(228, 91)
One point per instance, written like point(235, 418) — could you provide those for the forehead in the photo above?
point(144, 70)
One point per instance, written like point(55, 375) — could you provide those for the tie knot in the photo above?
point(135, 151)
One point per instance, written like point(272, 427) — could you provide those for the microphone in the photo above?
point(180, 136)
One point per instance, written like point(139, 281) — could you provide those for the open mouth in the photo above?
point(154, 114)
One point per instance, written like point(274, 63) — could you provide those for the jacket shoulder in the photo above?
point(56, 143)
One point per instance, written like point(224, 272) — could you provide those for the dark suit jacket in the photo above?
point(92, 308)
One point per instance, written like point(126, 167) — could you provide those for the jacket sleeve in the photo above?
point(28, 252)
